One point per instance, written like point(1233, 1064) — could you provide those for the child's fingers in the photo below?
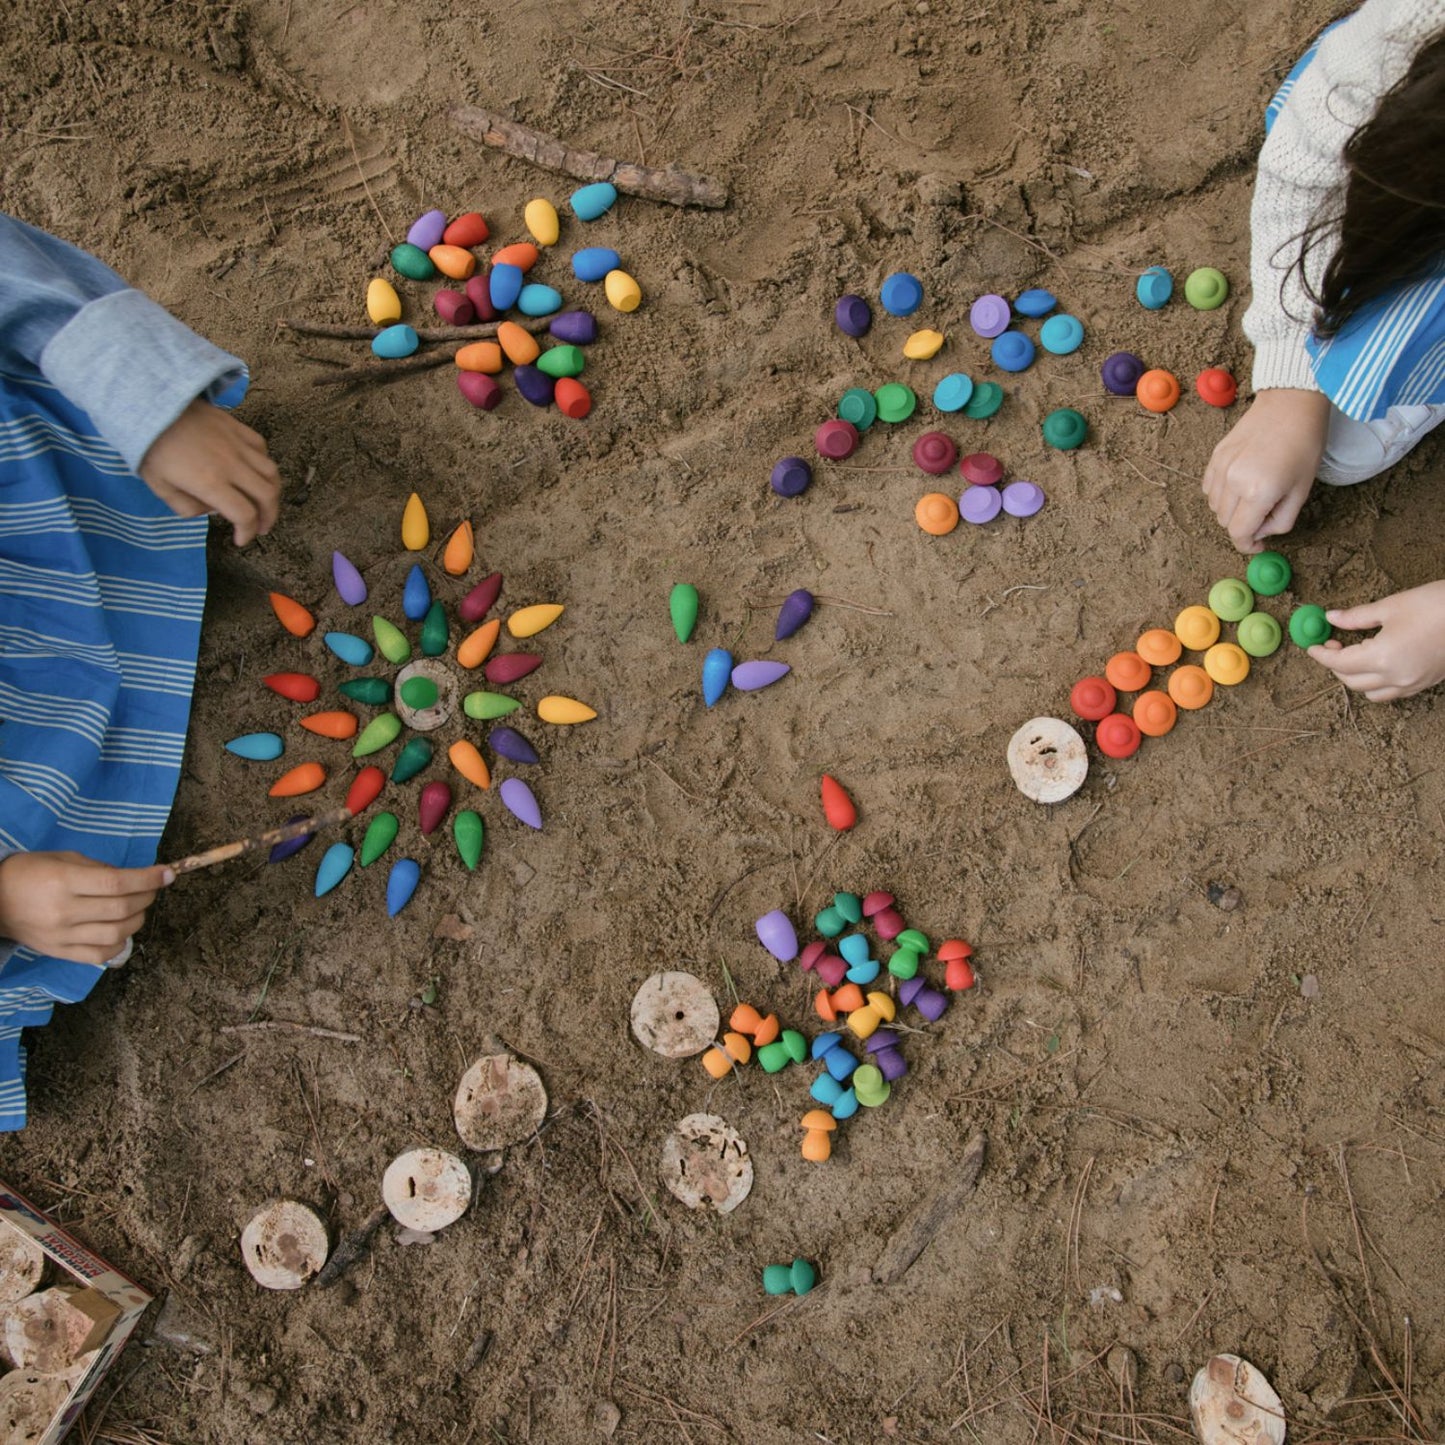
point(101, 881)
point(1357, 619)
point(1361, 672)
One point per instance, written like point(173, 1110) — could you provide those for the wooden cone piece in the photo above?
point(705, 1163)
point(1231, 1403)
point(674, 1015)
point(47, 1332)
point(22, 1262)
point(426, 1189)
point(284, 1245)
point(1048, 760)
point(499, 1101)
point(29, 1401)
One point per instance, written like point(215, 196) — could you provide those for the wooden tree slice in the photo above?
point(46, 1333)
point(1048, 760)
point(1231, 1403)
point(284, 1245)
point(706, 1163)
point(499, 1101)
point(675, 1015)
point(426, 1189)
point(28, 1402)
point(427, 719)
point(22, 1262)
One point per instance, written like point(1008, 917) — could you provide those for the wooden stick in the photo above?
point(679, 188)
point(303, 828)
point(913, 1237)
point(345, 331)
point(351, 1248)
point(383, 370)
point(288, 1027)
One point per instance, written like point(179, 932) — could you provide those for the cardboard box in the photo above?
point(106, 1304)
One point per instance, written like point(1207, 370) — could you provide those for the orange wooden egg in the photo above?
point(521, 254)
point(480, 356)
point(470, 763)
point(520, 347)
point(331, 724)
point(292, 615)
point(477, 645)
point(305, 778)
point(453, 261)
point(461, 546)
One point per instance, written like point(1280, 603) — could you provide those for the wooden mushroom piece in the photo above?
point(48, 1332)
point(1231, 1403)
point(284, 1245)
point(29, 1402)
point(499, 1101)
point(426, 1189)
point(22, 1262)
point(674, 1015)
point(705, 1163)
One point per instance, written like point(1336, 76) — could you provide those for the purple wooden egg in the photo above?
point(797, 608)
point(478, 602)
point(436, 798)
point(479, 293)
point(521, 802)
point(777, 934)
point(831, 969)
point(749, 676)
point(509, 666)
point(479, 389)
point(349, 582)
point(426, 230)
point(291, 845)
point(509, 743)
point(535, 385)
point(454, 308)
point(577, 327)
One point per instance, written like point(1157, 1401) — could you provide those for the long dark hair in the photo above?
point(1391, 226)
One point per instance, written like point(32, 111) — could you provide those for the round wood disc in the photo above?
point(426, 1189)
point(705, 1162)
point(22, 1262)
point(427, 719)
point(675, 1015)
point(499, 1101)
point(1048, 760)
point(284, 1244)
point(28, 1400)
point(1231, 1403)
point(44, 1333)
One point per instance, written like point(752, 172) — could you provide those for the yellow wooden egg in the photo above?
point(541, 221)
point(623, 293)
point(459, 550)
point(922, 345)
point(383, 305)
point(528, 621)
point(563, 710)
point(415, 529)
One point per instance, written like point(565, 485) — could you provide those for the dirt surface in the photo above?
point(1208, 1128)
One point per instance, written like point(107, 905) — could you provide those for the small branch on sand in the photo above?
point(286, 1026)
point(383, 370)
point(345, 331)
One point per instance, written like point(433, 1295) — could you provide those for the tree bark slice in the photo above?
point(679, 188)
point(911, 1238)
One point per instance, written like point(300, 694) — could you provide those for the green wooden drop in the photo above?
point(390, 639)
point(487, 705)
point(562, 361)
point(469, 834)
point(374, 691)
point(419, 692)
point(412, 262)
point(411, 760)
point(682, 603)
point(379, 837)
point(377, 734)
point(434, 631)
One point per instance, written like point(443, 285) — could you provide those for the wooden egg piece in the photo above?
point(705, 1163)
point(675, 1015)
point(284, 1245)
point(22, 1262)
point(426, 1189)
point(499, 1101)
point(1048, 760)
point(1231, 1403)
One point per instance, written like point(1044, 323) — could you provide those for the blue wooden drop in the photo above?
point(395, 342)
point(592, 201)
point(538, 300)
point(284, 850)
point(401, 884)
point(593, 263)
point(334, 866)
point(258, 747)
point(416, 595)
point(504, 285)
point(717, 672)
point(350, 648)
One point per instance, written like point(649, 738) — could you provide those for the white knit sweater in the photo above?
point(1302, 163)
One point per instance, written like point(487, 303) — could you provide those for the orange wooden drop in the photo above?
point(305, 778)
point(461, 546)
point(838, 807)
point(470, 763)
point(476, 646)
point(292, 615)
point(521, 254)
point(331, 724)
point(480, 356)
point(520, 347)
point(453, 261)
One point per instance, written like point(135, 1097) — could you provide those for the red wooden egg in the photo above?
point(838, 807)
point(365, 787)
point(294, 685)
point(436, 798)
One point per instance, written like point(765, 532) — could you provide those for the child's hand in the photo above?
point(207, 461)
point(1404, 657)
point(68, 906)
point(1260, 474)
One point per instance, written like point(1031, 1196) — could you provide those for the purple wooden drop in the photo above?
point(454, 308)
point(749, 676)
point(777, 934)
point(509, 743)
point(436, 798)
point(291, 845)
point(577, 327)
point(426, 230)
point(478, 602)
point(520, 802)
point(797, 608)
point(479, 389)
point(349, 582)
point(535, 385)
point(509, 666)
point(479, 293)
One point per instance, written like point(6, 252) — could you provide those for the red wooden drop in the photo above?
point(479, 293)
point(838, 807)
point(467, 230)
point(454, 308)
point(436, 798)
point(365, 787)
point(294, 685)
point(478, 602)
point(509, 666)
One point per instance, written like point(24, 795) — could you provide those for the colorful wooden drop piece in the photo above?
point(401, 884)
point(350, 584)
point(351, 649)
point(296, 686)
point(379, 733)
point(476, 647)
point(434, 635)
point(469, 762)
point(838, 807)
point(391, 640)
point(365, 787)
point(717, 671)
point(797, 608)
point(380, 835)
point(682, 605)
point(510, 744)
point(432, 807)
point(521, 802)
point(415, 528)
point(416, 594)
point(528, 621)
point(511, 666)
point(460, 548)
point(257, 747)
point(334, 866)
point(750, 676)
point(484, 706)
point(373, 691)
point(478, 602)
point(564, 710)
point(281, 851)
point(469, 835)
point(338, 725)
point(304, 778)
point(292, 615)
point(415, 756)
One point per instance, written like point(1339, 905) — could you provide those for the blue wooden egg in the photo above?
point(535, 299)
point(592, 201)
point(395, 342)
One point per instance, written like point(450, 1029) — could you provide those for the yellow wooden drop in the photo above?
point(562, 710)
point(623, 293)
point(383, 305)
point(476, 646)
point(541, 221)
point(922, 345)
point(528, 621)
point(470, 763)
point(460, 548)
point(415, 528)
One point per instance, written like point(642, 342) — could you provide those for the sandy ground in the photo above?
point(1187, 1151)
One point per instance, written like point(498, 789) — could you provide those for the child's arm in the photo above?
point(1404, 657)
point(143, 377)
